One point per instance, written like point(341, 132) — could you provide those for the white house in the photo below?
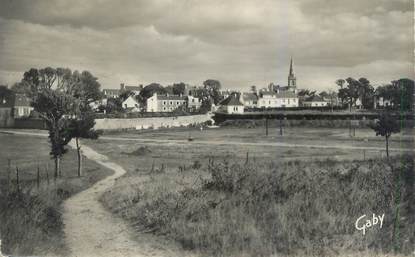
point(110, 93)
point(315, 101)
point(165, 103)
point(232, 105)
point(249, 100)
point(278, 100)
point(193, 103)
point(382, 102)
point(22, 107)
point(131, 104)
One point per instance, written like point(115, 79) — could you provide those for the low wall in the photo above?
point(146, 123)
point(29, 123)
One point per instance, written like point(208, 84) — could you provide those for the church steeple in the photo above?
point(291, 68)
point(291, 77)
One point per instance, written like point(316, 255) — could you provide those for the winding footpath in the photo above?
point(91, 230)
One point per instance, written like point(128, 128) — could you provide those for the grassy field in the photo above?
point(217, 199)
point(30, 220)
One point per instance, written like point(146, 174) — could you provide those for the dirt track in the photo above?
point(91, 230)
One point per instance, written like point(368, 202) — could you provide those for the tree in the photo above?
point(340, 83)
point(114, 105)
point(212, 88)
point(385, 126)
point(323, 94)
point(53, 106)
point(82, 126)
point(366, 93)
point(179, 88)
point(404, 96)
point(351, 92)
point(125, 94)
point(150, 89)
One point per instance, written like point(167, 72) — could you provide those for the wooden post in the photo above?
point(280, 126)
point(47, 173)
point(266, 126)
point(247, 158)
point(17, 179)
point(78, 151)
point(38, 177)
point(364, 154)
point(152, 167)
point(9, 171)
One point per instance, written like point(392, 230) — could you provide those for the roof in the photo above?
point(130, 97)
point(315, 98)
point(133, 88)
point(171, 97)
point(111, 90)
point(249, 97)
point(231, 100)
point(21, 100)
point(281, 94)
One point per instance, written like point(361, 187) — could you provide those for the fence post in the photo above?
point(17, 179)
point(38, 177)
point(152, 167)
point(47, 173)
point(9, 171)
point(247, 158)
point(266, 126)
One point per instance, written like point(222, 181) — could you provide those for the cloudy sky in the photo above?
point(239, 42)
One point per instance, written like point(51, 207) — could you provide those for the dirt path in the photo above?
point(90, 230)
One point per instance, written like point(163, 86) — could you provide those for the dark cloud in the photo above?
point(240, 42)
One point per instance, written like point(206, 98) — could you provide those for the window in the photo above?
point(164, 102)
point(171, 102)
point(164, 108)
point(178, 103)
point(288, 101)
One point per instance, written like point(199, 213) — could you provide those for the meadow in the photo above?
point(31, 214)
point(223, 199)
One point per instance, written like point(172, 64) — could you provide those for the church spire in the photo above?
point(291, 77)
point(291, 68)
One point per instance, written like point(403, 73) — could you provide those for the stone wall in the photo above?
point(146, 123)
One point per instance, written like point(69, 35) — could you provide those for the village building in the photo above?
point(231, 105)
point(315, 101)
point(165, 103)
point(193, 103)
point(135, 90)
point(110, 93)
point(283, 99)
point(21, 106)
point(249, 100)
point(131, 104)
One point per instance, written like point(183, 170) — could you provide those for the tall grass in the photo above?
point(31, 216)
point(251, 209)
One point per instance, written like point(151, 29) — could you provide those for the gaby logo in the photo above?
point(362, 224)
